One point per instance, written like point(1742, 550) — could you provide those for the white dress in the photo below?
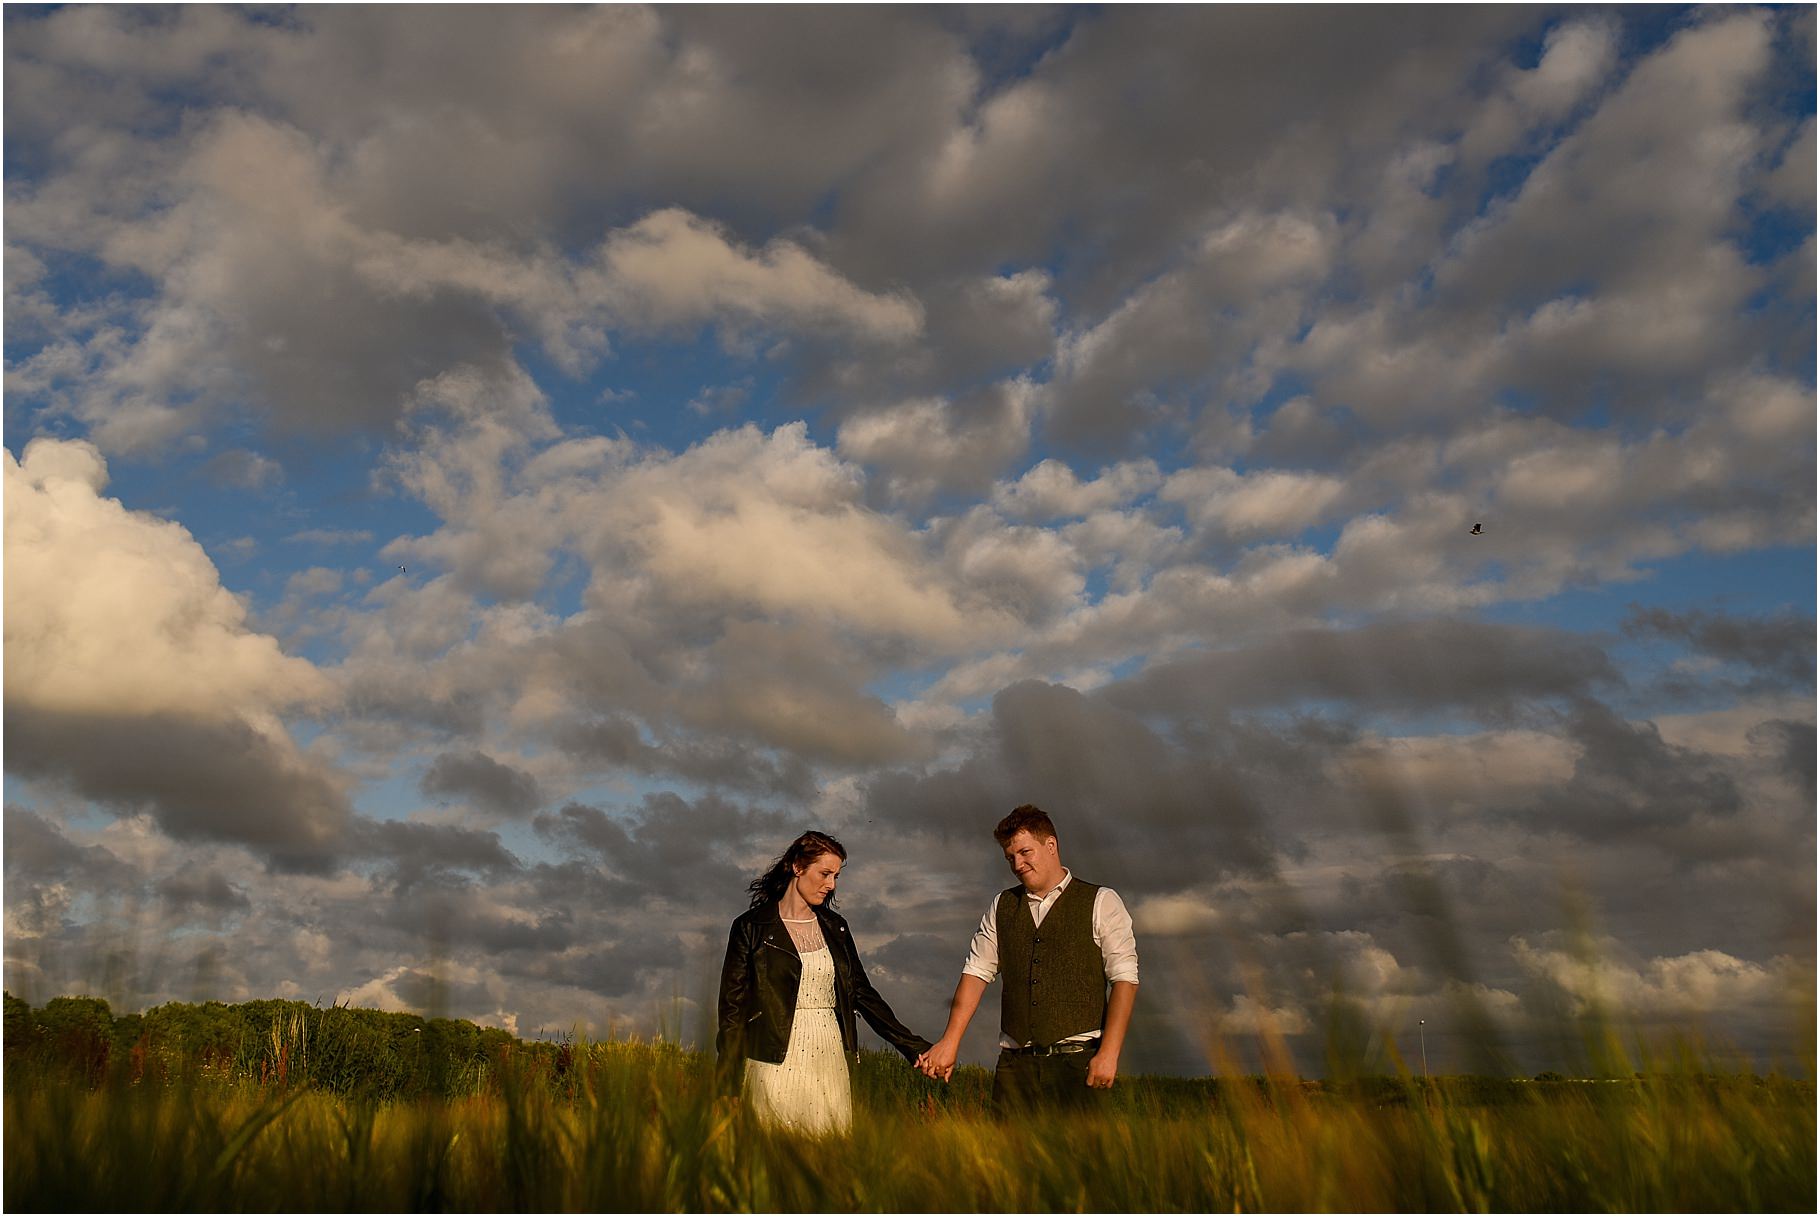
point(809, 1092)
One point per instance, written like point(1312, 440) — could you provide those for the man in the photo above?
point(1058, 941)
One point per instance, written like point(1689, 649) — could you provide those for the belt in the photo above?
point(1050, 1049)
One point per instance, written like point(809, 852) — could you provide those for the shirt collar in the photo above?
point(1034, 898)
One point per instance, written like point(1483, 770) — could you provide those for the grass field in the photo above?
point(630, 1126)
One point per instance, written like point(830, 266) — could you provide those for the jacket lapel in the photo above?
point(835, 935)
point(777, 934)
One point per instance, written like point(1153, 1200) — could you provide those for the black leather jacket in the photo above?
point(758, 993)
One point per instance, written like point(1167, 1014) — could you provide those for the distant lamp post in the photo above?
point(1422, 1031)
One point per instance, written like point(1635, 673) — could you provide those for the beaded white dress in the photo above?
point(809, 1092)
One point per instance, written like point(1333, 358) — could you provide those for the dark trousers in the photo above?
point(1024, 1084)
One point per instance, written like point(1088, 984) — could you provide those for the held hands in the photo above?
point(1103, 1070)
point(938, 1062)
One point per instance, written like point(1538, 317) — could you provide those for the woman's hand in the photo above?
point(938, 1062)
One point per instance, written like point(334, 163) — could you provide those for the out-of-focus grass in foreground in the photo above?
point(631, 1126)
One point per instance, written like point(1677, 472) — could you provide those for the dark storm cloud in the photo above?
point(415, 852)
point(478, 778)
point(670, 836)
point(1629, 784)
point(208, 893)
point(38, 849)
point(457, 913)
point(1132, 159)
point(1792, 745)
point(579, 885)
point(1486, 668)
point(201, 781)
point(1487, 900)
point(1780, 650)
point(1104, 774)
point(913, 958)
point(617, 742)
point(611, 970)
point(437, 994)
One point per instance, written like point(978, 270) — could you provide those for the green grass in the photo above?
point(631, 1126)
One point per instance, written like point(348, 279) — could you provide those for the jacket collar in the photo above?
point(773, 930)
point(775, 933)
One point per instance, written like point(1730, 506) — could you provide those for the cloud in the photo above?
point(1051, 490)
point(1577, 59)
point(1699, 984)
point(794, 689)
point(616, 743)
point(1275, 503)
point(132, 675)
point(267, 276)
point(38, 848)
point(477, 777)
point(1120, 388)
point(208, 896)
point(672, 268)
point(331, 536)
point(1779, 649)
point(419, 853)
point(1411, 665)
point(1249, 272)
point(774, 523)
point(244, 470)
point(931, 445)
point(1630, 785)
point(1791, 184)
point(221, 780)
point(668, 836)
point(115, 611)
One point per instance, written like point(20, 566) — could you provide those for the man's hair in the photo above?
point(1028, 818)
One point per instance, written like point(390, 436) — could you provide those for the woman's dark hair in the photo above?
point(805, 849)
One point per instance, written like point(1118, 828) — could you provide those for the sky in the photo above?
point(479, 481)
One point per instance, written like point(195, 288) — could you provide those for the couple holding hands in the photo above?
point(792, 984)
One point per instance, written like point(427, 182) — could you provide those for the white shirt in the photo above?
point(1111, 934)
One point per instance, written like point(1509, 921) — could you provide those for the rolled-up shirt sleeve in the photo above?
point(1113, 935)
point(982, 953)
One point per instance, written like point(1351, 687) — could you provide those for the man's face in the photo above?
point(1034, 860)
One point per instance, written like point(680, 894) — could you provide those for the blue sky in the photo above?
point(493, 489)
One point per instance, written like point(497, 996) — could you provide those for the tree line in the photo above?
point(340, 1048)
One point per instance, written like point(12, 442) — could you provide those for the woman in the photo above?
point(788, 992)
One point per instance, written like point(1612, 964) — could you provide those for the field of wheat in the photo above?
point(636, 1126)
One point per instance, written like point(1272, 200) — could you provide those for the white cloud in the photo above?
point(938, 443)
point(1460, 774)
point(111, 611)
point(776, 523)
point(673, 268)
point(1697, 984)
point(1247, 505)
point(1051, 490)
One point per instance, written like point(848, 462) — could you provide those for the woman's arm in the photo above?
point(877, 1011)
point(735, 996)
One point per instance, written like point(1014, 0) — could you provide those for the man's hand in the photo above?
point(938, 1062)
point(1103, 1070)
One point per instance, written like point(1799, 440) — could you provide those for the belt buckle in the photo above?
point(1064, 1048)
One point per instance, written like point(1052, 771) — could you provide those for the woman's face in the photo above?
point(815, 878)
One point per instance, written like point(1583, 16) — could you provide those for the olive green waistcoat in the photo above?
point(1054, 976)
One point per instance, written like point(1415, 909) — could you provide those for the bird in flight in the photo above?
point(1478, 529)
